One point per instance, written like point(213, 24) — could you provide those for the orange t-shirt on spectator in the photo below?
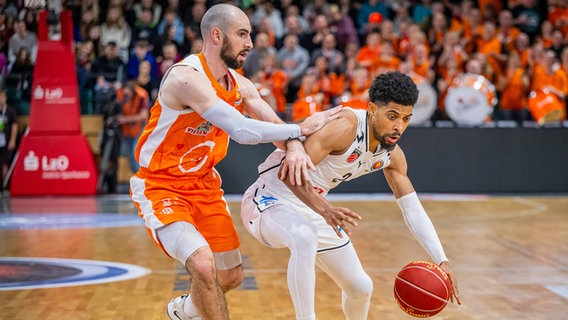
point(559, 18)
point(541, 79)
point(472, 34)
point(309, 102)
point(278, 81)
point(305, 107)
point(359, 97)
point(509, 37)
point(458, 58)
point(367, 56)
point(139, 101)
point(421, 69)
point(514, 96)
point(497, 5)
point(489, 47)
point(387, 64)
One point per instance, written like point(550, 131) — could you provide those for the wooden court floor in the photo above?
point(510, 254)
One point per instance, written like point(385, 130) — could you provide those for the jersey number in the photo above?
point(344, 178)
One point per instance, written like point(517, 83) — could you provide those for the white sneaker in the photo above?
point(175, 309)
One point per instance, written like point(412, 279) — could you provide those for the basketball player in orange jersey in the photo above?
point(177, 190)
point(360, 142)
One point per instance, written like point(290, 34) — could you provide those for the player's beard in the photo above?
point(230, 61)
point(384, 142)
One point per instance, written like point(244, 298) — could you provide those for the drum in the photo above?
point(546, 107)
point(470, 100)
point(426, 104)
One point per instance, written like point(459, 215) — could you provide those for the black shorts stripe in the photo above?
point(335, 248)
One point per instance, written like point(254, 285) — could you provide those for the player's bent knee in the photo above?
point(305, 238)
point(362, 288)
point(230, 279)
point(201, 265)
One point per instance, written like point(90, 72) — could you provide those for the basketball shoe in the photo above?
point(175, 309)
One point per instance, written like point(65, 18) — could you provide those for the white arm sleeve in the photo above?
point(421, 226)
point(248, 131)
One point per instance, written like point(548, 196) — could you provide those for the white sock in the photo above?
point(189, 308)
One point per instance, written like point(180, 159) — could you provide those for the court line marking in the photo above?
point(92, 272)
point(559, 290)
point(386, 197)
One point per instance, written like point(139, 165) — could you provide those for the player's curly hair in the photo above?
point(393, 87)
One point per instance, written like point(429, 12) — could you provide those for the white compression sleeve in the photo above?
point(248, 131)
point(421, 226)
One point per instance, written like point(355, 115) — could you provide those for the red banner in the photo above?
point(54, 158)
point(54, 165)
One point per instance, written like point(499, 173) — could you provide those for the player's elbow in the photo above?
point(244, 136)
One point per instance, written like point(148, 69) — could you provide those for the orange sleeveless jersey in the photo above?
point(177, 181)
point(181, 144)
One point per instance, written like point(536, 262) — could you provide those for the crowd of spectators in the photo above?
point(310, 55)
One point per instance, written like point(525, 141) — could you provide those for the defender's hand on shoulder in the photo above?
point(317, 120)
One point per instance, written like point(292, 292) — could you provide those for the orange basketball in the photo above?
point(422, 289)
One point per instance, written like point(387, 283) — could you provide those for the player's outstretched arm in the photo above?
point(185, 87)
point(415, 217)
point(257, 108)
point(297, 162)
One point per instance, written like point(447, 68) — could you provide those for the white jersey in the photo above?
point(269, 191)
point(358, 160)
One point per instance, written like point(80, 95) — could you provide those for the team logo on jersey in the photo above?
point(377, 165)
point(354, 155)
point(265, 202)
point(238, 98)
point(202, 130)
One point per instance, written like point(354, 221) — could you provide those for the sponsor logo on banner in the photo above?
point(53, 95)
point(55, 168)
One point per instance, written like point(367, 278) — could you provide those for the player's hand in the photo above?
point(455, 297)
point(340, 219)
point(296, 163)
point(317, 120)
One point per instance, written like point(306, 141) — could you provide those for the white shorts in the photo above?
point(259, 199)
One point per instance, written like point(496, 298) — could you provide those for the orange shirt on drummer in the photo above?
point(181, 144)
point(541, 78)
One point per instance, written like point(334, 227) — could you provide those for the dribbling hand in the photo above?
point(455, 297)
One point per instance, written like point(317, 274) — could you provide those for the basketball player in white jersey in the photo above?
point(177, 190)
point(279, 214)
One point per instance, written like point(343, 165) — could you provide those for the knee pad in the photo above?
point(180, 240)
